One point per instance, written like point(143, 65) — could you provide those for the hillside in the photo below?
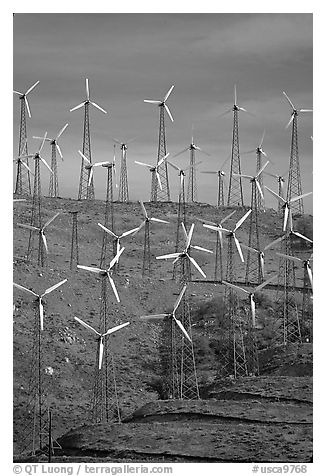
point(71, 349)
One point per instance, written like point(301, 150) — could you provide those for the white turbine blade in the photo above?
point(26, 166)
point(233, 286)
point(262, 139)
point(41, 138)
point(259, 189)
point(41, 308)
point(177, 303)
point(286, 216)
point(141, 226)
point(91, 173)
point(171, 255)
point(272, 175)
point(243, 109)
point(243, 176)
point(278, 240)
point(116, 258)
point(107, 230)
point(220, 235)
point(62, 130)
point(309, 272)
point(168, 93)
point(51, 220)
point(116, 328)
point(100, 353)
point(227, 217)
point(250, 249)
point(18, 286)
point(212, 227)
point(181, 152)
point(224, 113)
point(253, 310)
point(142, 163)
point(46, 165)
point(196, 266)
point(158, 220)
point(29, 227)
point(129, 232)
point(169, 112)
point(289, 100)
point(238, 247)
point(262, 285)
point(52, 288)
point(152, 101)
point(294, 199)
point(90, 268)
point(84, 157)
point(160, 162)
point(17, 92)
point(143, 208)
point(184, 230)
point(280, 199)
point(262, 264)
point(154, 317)
point(87, 89)
point(235, 94)
point(158, 179)
point(59, 150)
point(27, 106)
point(291, 258)
point(262, 168)
point(31, 88)
point(42, 143)
point(239, 223)
point(190, 235)
point(44, 242)
point(305, 110)
point(86, 325)
point(114, 288)
point(203, 151)
point(182, 179)
point(302, 236)
point(208, 172)
point(98, 107)
point(201, 249)
point(182, 328)
point(77, 107)
point(291, 119)
point(205, 221)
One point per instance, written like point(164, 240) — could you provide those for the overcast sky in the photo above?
point(132, 57)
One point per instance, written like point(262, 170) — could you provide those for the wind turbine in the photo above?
point(23, 182)
point(251, 295)
point(192, 183)
point(305, 263)
point(39, 298)
point(287, 204)
point(42, 238)
point(164, 195)
point(53, 185)
point(220, 182)
point(253, 267)
point(294, 180)
point(235, 194)
point(156, 178)
point(231, 233)
point(146, 224)
point(101, 337)
point(184, 255)
point(89, 166)
point(86, 191)
point(123, 188)
point(105, 402)
point(19, 178)
point(280, 182)
point(106, 273)
point(36, 411)
point(219, 241)
point(117, 238)
point(171, 315)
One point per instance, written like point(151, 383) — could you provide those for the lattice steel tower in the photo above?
point(74, 255)
point(86, 190)
point(109, 212)
point(235, 193)
point(23, 180)
point(294, 186)
point(164, 194)
point(123, 184)
point(220, 183)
